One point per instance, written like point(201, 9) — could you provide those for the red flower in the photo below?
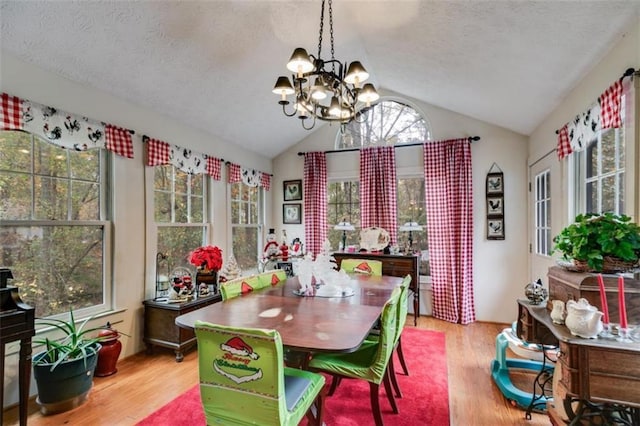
point(209, 257)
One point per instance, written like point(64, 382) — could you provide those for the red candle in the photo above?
point(623, 309)
point(603, 300)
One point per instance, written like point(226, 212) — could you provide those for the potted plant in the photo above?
point(600, 243)
point(64, 370)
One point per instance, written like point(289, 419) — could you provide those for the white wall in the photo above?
point(624, 54)
point(500, 272)
point(133, 282)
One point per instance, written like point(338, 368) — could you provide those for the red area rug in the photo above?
point(425, 392)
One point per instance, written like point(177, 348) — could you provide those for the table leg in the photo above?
point(1, 377)
point(24, 365)
point(416, 307)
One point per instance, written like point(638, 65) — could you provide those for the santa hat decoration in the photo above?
point(363, 268)
point(237, 346)
point(245, 288)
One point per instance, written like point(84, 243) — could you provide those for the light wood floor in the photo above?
point(144, 383)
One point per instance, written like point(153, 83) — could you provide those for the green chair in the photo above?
point(243, 380)
point(369, 362)
point(362, 266)
point(238, 286)
point(270, 278)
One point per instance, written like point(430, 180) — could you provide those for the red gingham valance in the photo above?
point(605, 114)
point(160, 153)
point(62, 128)
point(247, 176)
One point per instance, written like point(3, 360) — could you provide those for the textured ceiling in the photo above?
point(212, 64)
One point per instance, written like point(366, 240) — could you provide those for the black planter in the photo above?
point(68, 385)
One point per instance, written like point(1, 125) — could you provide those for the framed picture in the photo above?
point(292, 213)
point(287, 267)
point(495, 228)
point(292, 190)
point(495, 183)
point(495, 206)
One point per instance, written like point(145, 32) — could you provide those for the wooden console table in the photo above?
point(592, 370)
point(395, 266)
point(160, 328)
point(17, 321)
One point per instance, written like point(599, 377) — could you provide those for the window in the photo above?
point(246, 225)
point(179, 213)
point(388, 122)
point(411, 208)
point(543, 213)
point(343, 204)
point(600, 172)
point(54, 234)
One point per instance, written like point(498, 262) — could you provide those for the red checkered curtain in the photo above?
point(449, 195)
point(610, 106)
point(315, 200)
point(378, 183)
point(161, 153)
point(64, 129)
point(564, 147)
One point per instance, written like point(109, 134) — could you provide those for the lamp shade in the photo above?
point(283, 86)
point(344, 226)
point(411, 226)
point(356, 73)
point(300, 62)
point(368, 94)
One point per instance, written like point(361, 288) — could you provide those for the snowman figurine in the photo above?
point(271, 249)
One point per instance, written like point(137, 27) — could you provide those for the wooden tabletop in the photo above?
point(309, 324)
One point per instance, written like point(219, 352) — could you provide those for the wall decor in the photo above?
point(292, 213)
point(495, 203)
point(292, 190)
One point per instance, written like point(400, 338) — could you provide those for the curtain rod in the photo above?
point(333, 151)
point(229, 162)
point(628, 72)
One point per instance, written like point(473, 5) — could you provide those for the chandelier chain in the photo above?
point(321, 30)
point(333, 66)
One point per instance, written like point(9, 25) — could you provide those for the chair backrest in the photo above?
point(241, 374)
point(362, 266)
point(403, 309)
point(270, 278)
point(238, 286)
point(388, 332)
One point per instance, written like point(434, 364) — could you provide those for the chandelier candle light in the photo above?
point(323, 90)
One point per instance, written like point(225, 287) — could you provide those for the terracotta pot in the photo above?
point(108, 355)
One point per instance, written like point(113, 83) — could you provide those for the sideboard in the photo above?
point(160, 328)
point(395, 266)
point(592, 371)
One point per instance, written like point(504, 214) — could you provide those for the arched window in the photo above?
point(388, 122)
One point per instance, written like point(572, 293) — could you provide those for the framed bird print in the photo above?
point(495, 203)
point(292, 190)
point(495, 183)
point(495, 206)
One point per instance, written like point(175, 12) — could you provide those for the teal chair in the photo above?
point(362, 266)
point(238, 286)
point(369, 362)
point(243, 380)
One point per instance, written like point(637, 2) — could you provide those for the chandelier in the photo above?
point(322, 89)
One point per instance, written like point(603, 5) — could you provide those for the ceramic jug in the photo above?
point(583, 319)
point(558, 312)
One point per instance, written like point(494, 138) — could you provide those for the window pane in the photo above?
point(245, 247)
point(592, 197)
point(51, 198)
point(197, 209)
point(85, 165)
point(178, 241)
point(15, 196)
point(608, 145)
point(609, 194)
point(621, 192)
point(85, 198)
point(162, 178)
point(162, 207)
point(592, 159)
point(16, 151)
point(55, 267)
point(50, 160)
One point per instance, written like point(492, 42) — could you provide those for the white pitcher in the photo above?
point(583, 319)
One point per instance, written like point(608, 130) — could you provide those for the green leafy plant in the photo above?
point(592, 238)
point(76, 342)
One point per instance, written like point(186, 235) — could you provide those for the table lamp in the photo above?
point(410, 226)
point(344, 226)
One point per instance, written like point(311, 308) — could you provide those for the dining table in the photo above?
point(307, 324)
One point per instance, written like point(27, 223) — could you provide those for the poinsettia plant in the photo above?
point(207, 257)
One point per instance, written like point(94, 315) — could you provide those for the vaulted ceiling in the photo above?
point(212, 64)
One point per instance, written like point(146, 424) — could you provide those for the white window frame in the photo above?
point(542, 213)
point(261, 203)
